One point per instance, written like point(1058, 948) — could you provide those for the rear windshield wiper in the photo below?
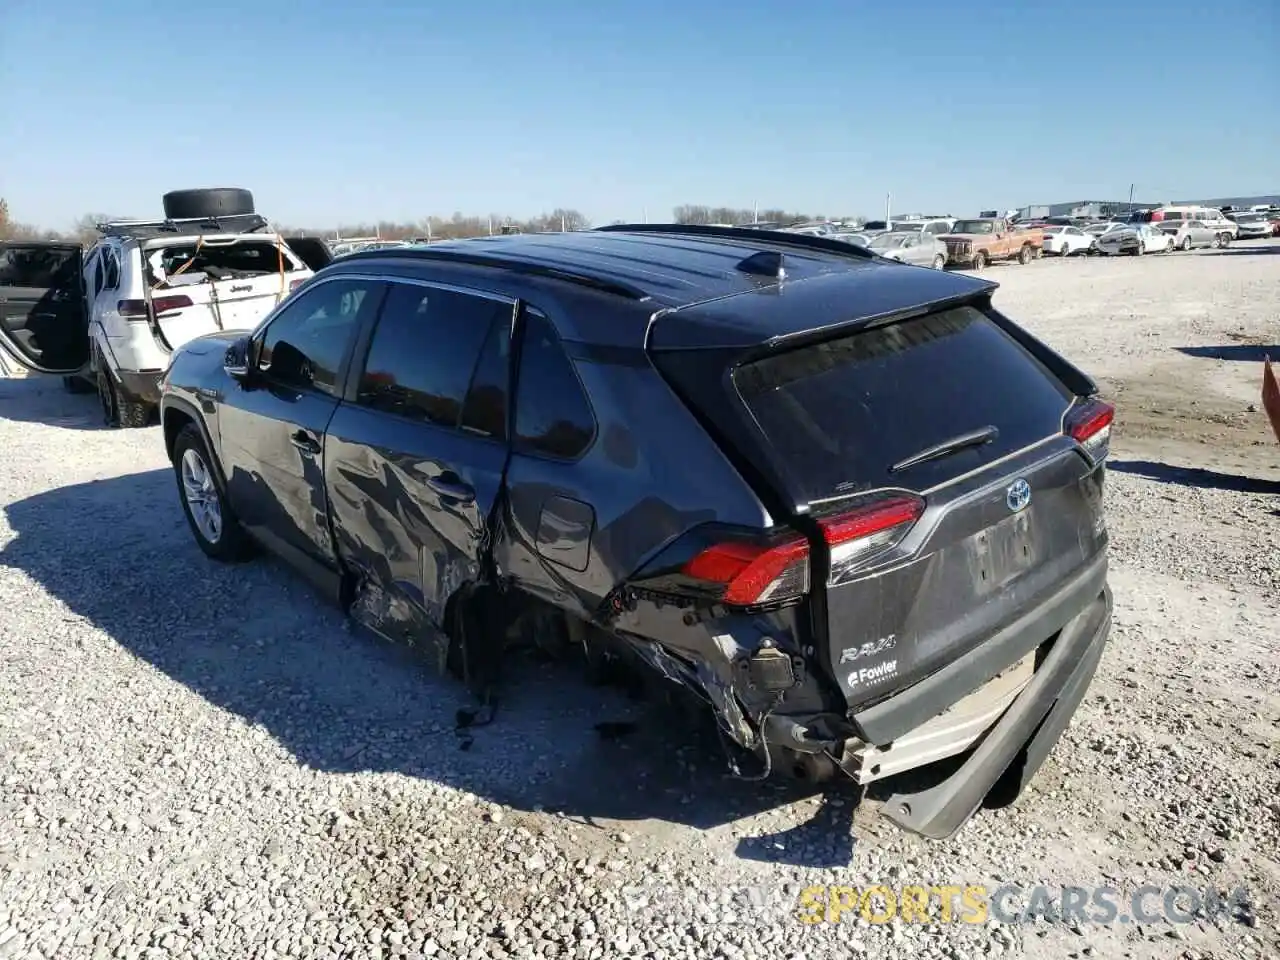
point(974, 438)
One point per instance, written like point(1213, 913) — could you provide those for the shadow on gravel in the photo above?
point(1234, 251)
point(46, 400)
point(1193, 477)
point(1241, 352)
point(256, 641)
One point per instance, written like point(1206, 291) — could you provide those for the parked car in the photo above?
point(1210, 217)
point(1136, 239)
point(861, 239)
point(670, 470)
point(975, 243)
point(937, 226)
point(1187, 234)
point(917, 248)
point(108, 319)
point(1065, 241)
point(1252, 226)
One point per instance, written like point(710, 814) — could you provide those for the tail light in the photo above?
point(752, 574)
point(169, 304)
point(137, 309)
point(1089, 424)
point(870, 530)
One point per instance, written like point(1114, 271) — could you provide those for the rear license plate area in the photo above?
point(1002, 553)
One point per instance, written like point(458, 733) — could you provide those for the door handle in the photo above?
point(448, 485)
point(305, 442)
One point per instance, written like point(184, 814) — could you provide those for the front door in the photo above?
point(43, 323)
point(415, 456)
point(272, 426)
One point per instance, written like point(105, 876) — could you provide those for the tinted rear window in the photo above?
point(840, 414)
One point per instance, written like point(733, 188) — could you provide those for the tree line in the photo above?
point(458, 226)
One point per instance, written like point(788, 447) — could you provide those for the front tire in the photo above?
point(213, 523)
point(1185, 246)
point(979, 261)
point(939, 262)
point(1024, 255)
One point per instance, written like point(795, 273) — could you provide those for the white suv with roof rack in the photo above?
point(113, 314)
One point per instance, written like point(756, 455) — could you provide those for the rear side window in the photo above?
point(423, 351)
point(553, 416)
point(841, 414)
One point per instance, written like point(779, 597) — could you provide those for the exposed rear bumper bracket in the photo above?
point(1030, 728)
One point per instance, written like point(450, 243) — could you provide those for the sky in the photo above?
point(347, 111)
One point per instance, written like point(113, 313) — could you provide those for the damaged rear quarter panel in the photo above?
point(651, 475)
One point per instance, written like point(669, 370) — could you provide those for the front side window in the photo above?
point(306, 343)
point(553, 415)
point(423, 352)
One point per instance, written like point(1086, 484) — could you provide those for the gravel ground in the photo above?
point(205, 761)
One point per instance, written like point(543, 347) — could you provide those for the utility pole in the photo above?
point(755, 212)
point(1131, 198)
point(491, 224)
point(888, 198)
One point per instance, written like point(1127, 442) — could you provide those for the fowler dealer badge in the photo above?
point(873, 674)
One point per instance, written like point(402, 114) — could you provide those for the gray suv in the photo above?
point(844, 502)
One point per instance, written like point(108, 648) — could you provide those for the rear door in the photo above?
point(415, 455)
point(201, 285)
point(43, 321)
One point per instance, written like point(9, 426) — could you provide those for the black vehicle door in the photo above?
point(416, 453)
point(43, 322)
point(313, 251)
point(272, 426)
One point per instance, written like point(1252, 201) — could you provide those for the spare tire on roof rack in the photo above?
point(207, 202)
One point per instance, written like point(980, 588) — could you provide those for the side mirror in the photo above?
point(238, 360)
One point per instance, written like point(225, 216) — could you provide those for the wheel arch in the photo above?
point(176, 413)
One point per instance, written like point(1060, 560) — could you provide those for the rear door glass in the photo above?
point(840, 414)
point(423, 351)
point(38, 267)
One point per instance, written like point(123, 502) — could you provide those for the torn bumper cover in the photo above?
point(1017, 743)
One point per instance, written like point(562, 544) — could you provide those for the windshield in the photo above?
point(1101, 227)
point(974, 226)
point(1249, 217)
point(1054, 229)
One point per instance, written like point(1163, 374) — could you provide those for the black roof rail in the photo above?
point(781, 238)
point(237, 223)
point(514, 264)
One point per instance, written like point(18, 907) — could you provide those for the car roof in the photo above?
point(650, 269)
